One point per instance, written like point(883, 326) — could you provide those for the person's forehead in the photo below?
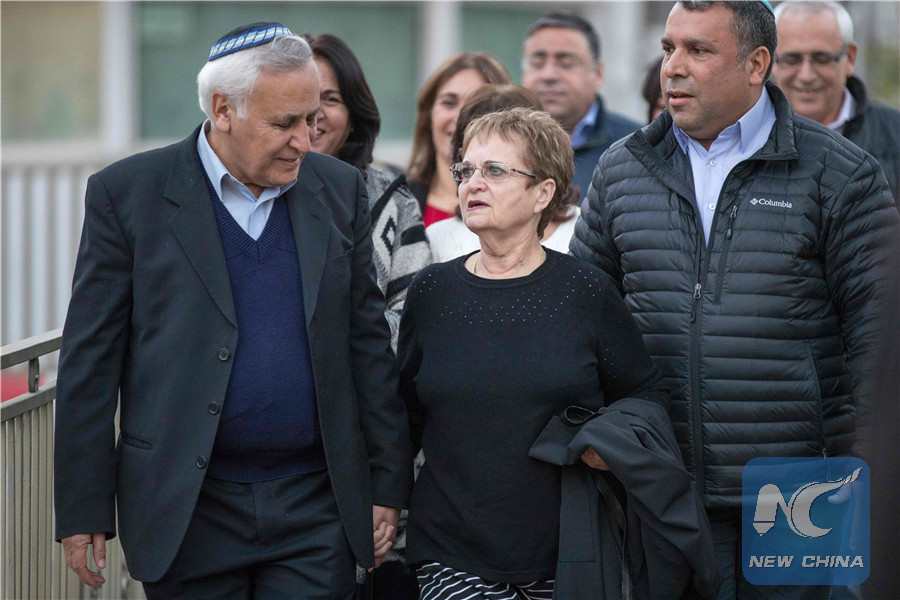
point(495, 146)
point(819, 28)
point(557, 40)
point(712, 25)
point(461, 83)
point(304, 75)
point(327, 74)
point(288, 88)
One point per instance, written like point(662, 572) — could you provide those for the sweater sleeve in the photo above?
point(625, 367)
point(409, 355)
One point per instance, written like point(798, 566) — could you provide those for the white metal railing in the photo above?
point(33, 563)
point(42, 214)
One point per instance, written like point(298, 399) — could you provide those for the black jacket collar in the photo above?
point(657, 142)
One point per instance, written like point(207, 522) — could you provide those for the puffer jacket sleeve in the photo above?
point(859, 241)
point(592, 241)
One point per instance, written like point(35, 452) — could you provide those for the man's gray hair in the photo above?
point(811, 7)
point(236, 75)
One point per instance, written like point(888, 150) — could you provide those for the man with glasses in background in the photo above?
point(561, 64)
point(814, 67)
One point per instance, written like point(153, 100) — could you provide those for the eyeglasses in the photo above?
point(817, 59)
point(493, 171)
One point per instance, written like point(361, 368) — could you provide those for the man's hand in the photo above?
point(593, 460)
point(384, 523)
point(75, 548)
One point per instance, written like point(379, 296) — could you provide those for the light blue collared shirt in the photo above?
point(736, 143)
point(583, 129)
point(250, 212)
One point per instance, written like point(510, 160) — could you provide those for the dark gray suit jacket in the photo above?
point(152, 318)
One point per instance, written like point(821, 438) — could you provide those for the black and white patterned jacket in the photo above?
point(398, 238)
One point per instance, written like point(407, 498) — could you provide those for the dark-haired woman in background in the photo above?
point(346, 127)
point(438, 108)
point(451, 238)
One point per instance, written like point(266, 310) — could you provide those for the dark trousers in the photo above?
point(393, 580)
point(273, 539)
point(726, 533)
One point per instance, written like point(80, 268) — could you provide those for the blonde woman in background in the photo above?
point(451, 238)
point(438, 108)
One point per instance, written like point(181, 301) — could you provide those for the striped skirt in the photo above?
point(439, 582)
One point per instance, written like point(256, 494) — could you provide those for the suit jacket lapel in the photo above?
point(194, 224)
point(311, 221)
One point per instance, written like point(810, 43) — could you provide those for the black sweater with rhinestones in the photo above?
point(484, 365)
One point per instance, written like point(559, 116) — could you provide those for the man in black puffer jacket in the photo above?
point(750, 245)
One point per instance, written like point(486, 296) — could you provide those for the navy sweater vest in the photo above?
point(269, 426)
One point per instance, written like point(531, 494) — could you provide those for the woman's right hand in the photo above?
point(593, 460)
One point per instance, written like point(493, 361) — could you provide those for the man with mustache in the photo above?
point(814, 68)
point(561, 64)
point(751, 247)
point(225, 302)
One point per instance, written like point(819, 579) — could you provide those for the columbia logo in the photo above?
point(768, 202)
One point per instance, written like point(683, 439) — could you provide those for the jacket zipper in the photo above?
point(696, 314)
point(702, 267)
point(696, 413)
point(720, 274)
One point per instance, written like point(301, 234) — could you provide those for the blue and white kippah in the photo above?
point(767, 5)
point(247, 36)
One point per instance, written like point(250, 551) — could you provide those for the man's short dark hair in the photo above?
point(753, 25)
point(568, 20)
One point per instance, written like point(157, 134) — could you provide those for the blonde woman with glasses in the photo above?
point(492, 345)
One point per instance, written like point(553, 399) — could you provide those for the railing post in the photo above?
point(34, 374)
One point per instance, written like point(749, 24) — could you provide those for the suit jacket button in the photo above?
point(201, 462)
point(213, 408)
point(224, 354)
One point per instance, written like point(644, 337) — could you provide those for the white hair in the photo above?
point(235, 75)
point(810, 7)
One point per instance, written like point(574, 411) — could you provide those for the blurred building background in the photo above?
point(85, 83)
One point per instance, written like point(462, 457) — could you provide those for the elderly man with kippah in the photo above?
point(225, 301)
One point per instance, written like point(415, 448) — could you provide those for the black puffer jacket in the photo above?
point(876, 129)
point(754, 333)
